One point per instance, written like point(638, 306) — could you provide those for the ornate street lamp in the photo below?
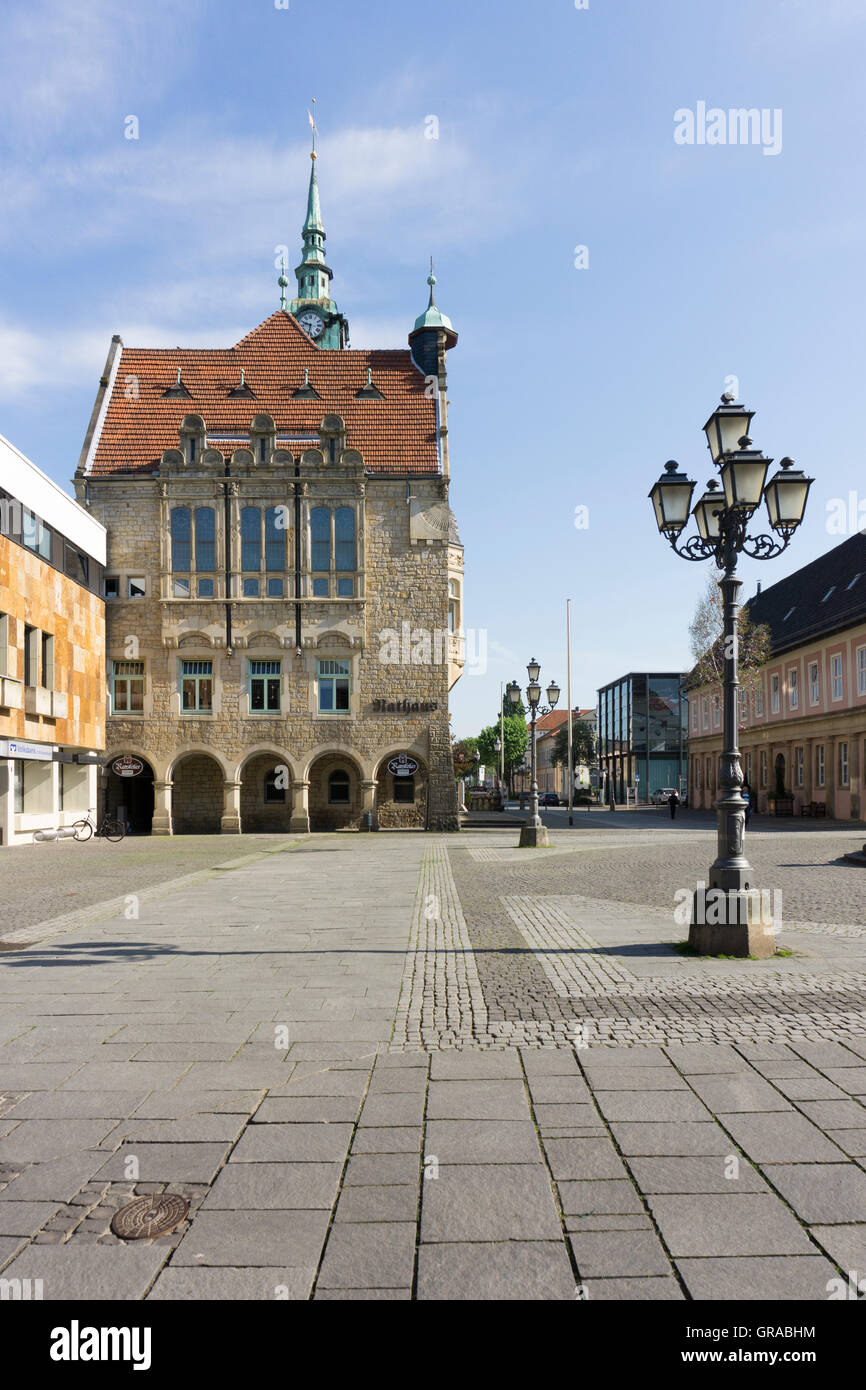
point(722, 516)
point(533, 834)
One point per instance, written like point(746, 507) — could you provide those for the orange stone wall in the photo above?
point(32, 592)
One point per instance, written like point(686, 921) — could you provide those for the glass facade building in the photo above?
point(643, 733)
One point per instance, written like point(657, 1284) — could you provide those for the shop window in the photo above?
point(404, 789)
point(338, 789)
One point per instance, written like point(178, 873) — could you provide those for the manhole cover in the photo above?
point(149, 1216)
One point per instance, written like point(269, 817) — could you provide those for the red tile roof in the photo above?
point(549, 723)
point(395, 435)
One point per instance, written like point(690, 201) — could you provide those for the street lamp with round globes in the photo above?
point(722, 515)
point(533, 833)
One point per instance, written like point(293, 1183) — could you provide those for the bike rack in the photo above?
point(61, 833)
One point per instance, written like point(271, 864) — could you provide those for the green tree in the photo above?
point(582, 744)
point(463, 753)
point(515, 744)
point(706, 635)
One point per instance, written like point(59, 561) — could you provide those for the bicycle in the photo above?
point(108, 828)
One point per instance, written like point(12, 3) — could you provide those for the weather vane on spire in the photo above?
point(311, 115)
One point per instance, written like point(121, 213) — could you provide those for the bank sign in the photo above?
point(15, 748)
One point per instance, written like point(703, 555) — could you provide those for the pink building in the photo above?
point(803, 732)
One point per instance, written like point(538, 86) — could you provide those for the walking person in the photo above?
point(673, 802)
point(747, 797)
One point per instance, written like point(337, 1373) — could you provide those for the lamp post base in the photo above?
point(732, 922)
point(533, 836)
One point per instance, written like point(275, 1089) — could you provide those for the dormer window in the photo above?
point(241, 391)
point(177, 388)
point(368, 391)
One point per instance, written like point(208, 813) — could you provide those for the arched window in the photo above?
point(275, 538)
point(320, 539)
point(181, 550)
point(338, 788)
point(205, 540)
point(251, 539)
point(344, 536)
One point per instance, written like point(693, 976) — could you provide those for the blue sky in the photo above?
point(569, 387)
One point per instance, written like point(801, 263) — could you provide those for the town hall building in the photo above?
point(284, 575)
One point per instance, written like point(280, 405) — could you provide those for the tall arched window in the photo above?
point(344, 538)
point(205, 540)
point(181, 548)
point(251, 539)
point(275, 538)
point(320, 538)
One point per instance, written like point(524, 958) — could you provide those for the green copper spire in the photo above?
point(313, 307)
point(433, 317)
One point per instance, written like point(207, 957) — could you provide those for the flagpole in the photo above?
point(568, 683)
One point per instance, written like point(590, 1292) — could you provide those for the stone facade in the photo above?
point(231, 767)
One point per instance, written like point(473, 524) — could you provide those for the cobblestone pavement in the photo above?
point(400, 1066)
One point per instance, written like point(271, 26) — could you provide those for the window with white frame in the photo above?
point(798, 766)
point(196, 687)
point(793, 688)
point(836, 675)
point(861, 670)
point(843, 764)
point(333, 683)
point(127, 694)
point(705, 711)
point(759, 699)
point(820, 767)
point(774, 694)
point(265, 687)
point(814, 683)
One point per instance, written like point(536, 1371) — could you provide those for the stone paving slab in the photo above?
point(102, 1273)
point(436, 1125)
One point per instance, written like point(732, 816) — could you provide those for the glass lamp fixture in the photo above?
point(553, 693)
point(513, 690)
point(672, 499)
point(726, 427)
point(785, 495)
point(744, 474)
point(533, 670)
point(533, 693)
point(706, 512)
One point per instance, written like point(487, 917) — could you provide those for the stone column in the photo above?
point(368, 803)
point(854, 775)
point(230, 824)
point(161, 808)
point(300, 822)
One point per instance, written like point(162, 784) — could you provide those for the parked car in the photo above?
point(662, 796)
point(549, 799)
